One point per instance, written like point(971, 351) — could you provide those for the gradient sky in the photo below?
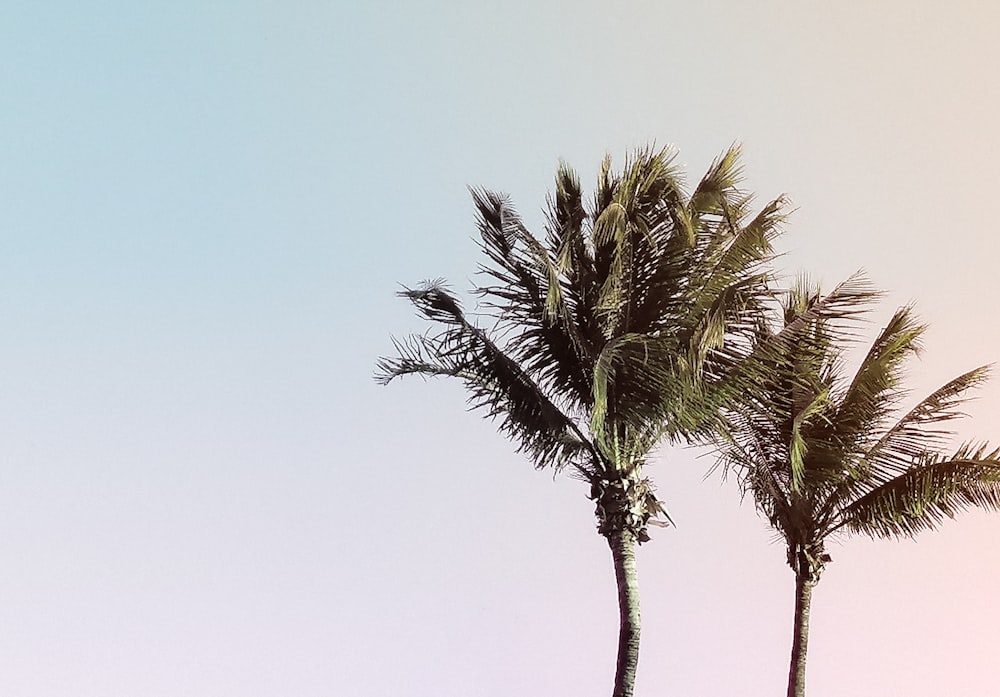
point(207, 208)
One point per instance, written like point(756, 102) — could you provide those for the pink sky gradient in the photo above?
point(207, 209)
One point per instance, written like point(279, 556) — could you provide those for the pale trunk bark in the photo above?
point(800, 637)
point(623, 550)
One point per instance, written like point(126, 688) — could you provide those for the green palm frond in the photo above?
point(836, 312)
point(793, 363)
point(875, 389)
point(921, 498)
point(820, 453)
point(752, 448)
point(717, 193)
point(614, 237)
point(729, 259)
point(529, 299)
point(565, 212)
point(647, 367)
point(634, 234)
point(922, 428)
point(789, 364)
point(495, 381)
point(798, 447)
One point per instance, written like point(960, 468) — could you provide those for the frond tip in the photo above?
point(435, 302)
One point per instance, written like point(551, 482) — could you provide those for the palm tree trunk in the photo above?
point(622, 544)
point(800, 638)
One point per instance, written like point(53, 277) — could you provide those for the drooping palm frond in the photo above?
point(644, 367)
point(752, 447)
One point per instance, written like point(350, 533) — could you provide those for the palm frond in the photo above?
point(530, 300)
point(921, 428)
point(799, 442)
point(837, 311)
point(634, 232)
point(925, 495)
point(495, 381)
point(566, 212)
point(641, 372)
point(740, 254)
point(788, 367)
point(875, 389)
point(717, 193)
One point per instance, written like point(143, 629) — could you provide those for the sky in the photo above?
point(207, 208)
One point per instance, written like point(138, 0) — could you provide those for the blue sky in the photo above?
point(207, 210)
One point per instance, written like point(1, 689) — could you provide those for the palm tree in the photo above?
point(619, 328)
point(824, 453)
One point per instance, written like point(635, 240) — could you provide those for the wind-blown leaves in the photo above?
point(921, 428)
point(622, 325)
point(926, 494)
point(495, 382)
point(820, 451)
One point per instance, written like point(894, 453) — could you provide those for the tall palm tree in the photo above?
point(619, 328)
point(825, 453)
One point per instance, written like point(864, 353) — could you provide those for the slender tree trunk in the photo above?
point(623, 550)
point(800, 637)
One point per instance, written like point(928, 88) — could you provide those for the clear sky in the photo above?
point(206, 210)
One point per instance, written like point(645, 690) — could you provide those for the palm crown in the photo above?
point(823, 452)
point(621, 326)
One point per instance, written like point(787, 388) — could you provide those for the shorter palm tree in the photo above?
point(824, 453)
